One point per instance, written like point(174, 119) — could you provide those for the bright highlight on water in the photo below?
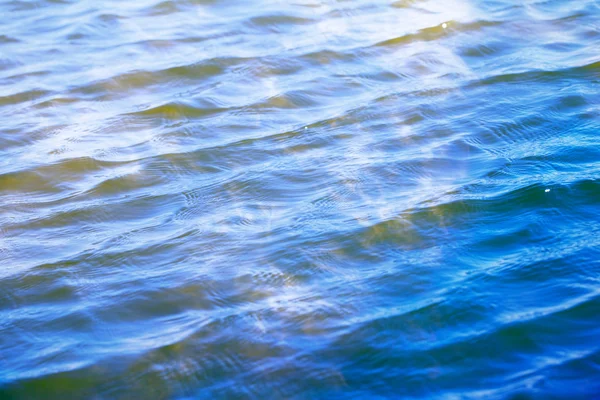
point(308, 199)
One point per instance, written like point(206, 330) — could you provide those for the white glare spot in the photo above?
point(547, 190)
point(306, 127)
point(444, 25)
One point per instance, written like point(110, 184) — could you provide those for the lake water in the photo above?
point(299, 199)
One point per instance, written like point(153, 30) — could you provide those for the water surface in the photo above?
point(299, 199)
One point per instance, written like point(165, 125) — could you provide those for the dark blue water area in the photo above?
point(290, 200)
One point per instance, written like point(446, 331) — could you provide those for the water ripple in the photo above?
point(318, 199)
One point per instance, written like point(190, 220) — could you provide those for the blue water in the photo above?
point(299, 199)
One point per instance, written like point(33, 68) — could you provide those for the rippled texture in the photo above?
point(299, 199)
